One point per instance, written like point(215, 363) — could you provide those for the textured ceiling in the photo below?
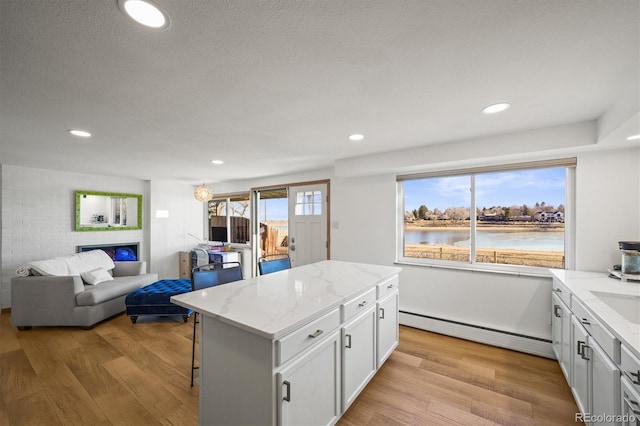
point(275, 86)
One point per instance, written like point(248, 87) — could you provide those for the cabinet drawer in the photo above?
point(562, 292)
point(358, 304)
point(299, 340)
point(609, 343)
point(630, 366)
point(387, 287)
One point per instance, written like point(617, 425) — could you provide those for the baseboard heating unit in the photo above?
point(489, 336)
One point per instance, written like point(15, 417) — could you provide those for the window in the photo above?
point(505, 217)
point(229, 219)
point(308, 203)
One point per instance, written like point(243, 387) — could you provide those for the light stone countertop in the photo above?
point(273, 305)
point(583, 284)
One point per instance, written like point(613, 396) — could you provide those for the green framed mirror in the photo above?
point(108, 211)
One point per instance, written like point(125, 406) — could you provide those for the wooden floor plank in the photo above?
point(119, 373)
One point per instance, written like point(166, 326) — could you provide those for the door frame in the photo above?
point(254, 214)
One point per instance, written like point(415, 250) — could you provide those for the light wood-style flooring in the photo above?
point(119, 373)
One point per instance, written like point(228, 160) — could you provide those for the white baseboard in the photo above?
point(530, 345)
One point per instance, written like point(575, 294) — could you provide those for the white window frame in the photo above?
point(569, 232)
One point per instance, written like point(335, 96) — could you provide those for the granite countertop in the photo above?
point(584, 284)
point(273, 305)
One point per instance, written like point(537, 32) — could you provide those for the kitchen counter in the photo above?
point(273, 305)
point(583, 285)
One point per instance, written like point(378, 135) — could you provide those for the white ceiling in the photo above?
point(276, 86)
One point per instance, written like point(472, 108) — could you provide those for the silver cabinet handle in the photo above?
point(390, 286)
point(348, 345)
point(631, 374)
point(381, 313)
point(634, 407)
point(584, 352)
point(557, 311)
point(316, 334)
point(287, 396)
point(580, 347)
point(585, 321)
point(360, 305)
point(557, 290)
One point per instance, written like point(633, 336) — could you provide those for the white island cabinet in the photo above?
point(296, 346)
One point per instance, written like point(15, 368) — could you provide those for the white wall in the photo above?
point(170, 235)
point(38, 217)
point(606, 181)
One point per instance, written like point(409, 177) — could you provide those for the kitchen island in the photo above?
point(296, 346)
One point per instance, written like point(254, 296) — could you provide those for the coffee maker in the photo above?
point(629, 269)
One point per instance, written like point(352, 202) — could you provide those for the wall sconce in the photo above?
point(203, 193)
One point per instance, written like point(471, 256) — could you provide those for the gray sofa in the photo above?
point(67, 301)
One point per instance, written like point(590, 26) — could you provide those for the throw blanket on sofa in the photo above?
point(74, 264)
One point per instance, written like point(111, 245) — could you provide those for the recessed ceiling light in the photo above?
point(80, 133)
point(217, 162)
point(499, 107)
point(145, 13)
point(633, 138)
point(356, 137)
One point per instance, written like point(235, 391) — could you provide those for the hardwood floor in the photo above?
point(124, 374)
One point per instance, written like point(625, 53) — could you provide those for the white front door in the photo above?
point(308, 237)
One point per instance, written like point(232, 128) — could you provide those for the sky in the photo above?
point(276, 209)
point(505, 189)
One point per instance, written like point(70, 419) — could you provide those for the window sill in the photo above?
point(520, 272)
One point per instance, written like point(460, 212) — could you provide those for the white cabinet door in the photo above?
point(387, 327)
point(567, 344)
point(358, 355)
point(556, 326)
point(605, 384)
point(581, 379)
point(309, 388)
point(561, 334)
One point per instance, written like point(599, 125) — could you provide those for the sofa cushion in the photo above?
point(96, 276)
point(120, 286)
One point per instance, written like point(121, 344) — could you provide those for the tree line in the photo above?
point(502, 212)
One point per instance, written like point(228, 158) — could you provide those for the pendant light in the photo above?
point(203, 193)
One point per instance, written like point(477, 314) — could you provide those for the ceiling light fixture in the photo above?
point(356, 137)
point(203, 193)
point(494, 108)
point(633, 138)
point(79, 133)
point(145, 13)
point(217, 162)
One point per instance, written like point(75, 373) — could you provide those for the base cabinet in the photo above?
point(387, 327)
point(359, 355)
point(605, 384)
point(596, 378)
point(309, 388)
point(580, 362)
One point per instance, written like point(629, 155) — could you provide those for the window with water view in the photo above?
point(519, 217)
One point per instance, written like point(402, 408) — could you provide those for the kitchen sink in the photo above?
point(625, 304)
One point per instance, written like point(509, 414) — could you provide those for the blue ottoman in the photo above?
point(154, 300)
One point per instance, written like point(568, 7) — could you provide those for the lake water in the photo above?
point(542, 241)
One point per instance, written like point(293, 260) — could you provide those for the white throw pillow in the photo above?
point(96, 276)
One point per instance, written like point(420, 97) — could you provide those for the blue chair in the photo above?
point(273, 263)
point(206, 276)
